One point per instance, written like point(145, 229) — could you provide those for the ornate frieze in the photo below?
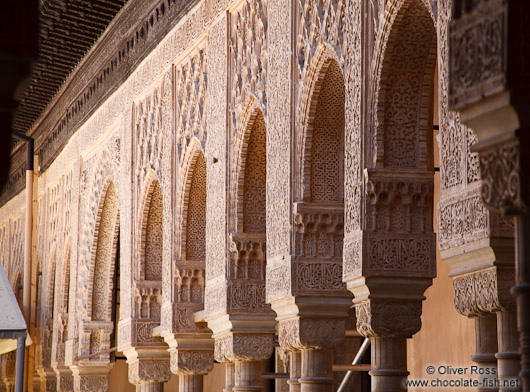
point(478, 42)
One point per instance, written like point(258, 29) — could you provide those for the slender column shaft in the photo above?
point(316, 370)
point(486, 347)
point(508, 357)
point(389, 364)
point(247, 376)
point(152, 387)
point(190, 383)
point(521, 290)
point(229, 377)
point(295, 369)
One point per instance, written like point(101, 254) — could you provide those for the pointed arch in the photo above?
point(193, 207)
point(402, 87)
point(250, 170)
point(151, 232)
point(104, 251)
point(321, 139)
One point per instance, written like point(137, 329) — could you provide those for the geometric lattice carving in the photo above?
point(190, 96)
point(152, 235)
point(328, 139)
point(404, 89)
point(254, 206)
point(104, 265)
point(196, 219)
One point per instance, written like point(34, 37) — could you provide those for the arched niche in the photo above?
point(248, 242)
point(151, 246)
point(189, 273)
point(196, 210)
point(319, 215)
point(403, 88)
point(106, 240)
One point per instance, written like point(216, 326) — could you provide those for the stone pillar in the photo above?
point(247, 376)
point(508, 357)
point(244, 355)
point(495, 104)
point(486, 347)
point(311, 342)
point(389, 363)
point(295, 357)
point(316, 373)
point(229, 376)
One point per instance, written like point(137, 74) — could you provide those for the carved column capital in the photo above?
point(483, 292)
point(91, 378)
point(243, 347)
point(191, 362)
point(149, 371)
point(501, 177)
point(388, 318)
point(304, 333)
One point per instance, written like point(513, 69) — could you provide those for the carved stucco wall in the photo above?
point(198, 89)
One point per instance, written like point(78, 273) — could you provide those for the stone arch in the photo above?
point(193, 207)
point(103, 255)
point(252, 121)
point(322, 107)
point(402, 87)
point(151, 232)
point(249, 179)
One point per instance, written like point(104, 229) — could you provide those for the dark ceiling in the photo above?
point(39, 48)
point(68, 29)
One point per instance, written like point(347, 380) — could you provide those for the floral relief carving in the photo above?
point(184, 362)
point(243, 347)
point(484, 292)
point(373, 315)
point(477, 59)
point(190, 102)
point(248, 56)
point(303, 333)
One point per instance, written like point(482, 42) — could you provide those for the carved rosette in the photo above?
point(191, 362)
point(303, 333)
point(243, 347)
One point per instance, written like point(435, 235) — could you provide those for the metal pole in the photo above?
point(356, 360)
point(21, 350)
